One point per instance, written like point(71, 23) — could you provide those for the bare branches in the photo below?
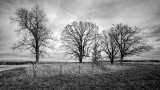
point(129, 40)
point(123, 39)
point(36, 35)
point(96, 54)
point(108, 45)
point(77, 38)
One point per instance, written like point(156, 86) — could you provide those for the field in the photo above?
point(3, 66)
point(116, 77)
point(74, 69)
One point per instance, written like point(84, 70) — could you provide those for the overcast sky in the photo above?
point(142, 13)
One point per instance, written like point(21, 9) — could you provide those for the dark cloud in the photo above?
point(111, 8)
point(154, 31)
point(157, 40)
point(99, 10)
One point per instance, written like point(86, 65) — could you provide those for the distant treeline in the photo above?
point(141, 61)
point(15, 62)
point(134, 61)
point(137, 61)
point(31, 62)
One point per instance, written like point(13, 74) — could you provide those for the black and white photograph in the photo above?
point(79, 44)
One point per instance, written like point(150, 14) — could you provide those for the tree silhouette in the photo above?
point(130, 40)
point(108, 45)
point(96, 54)
point(36, 36)
point(77, 38)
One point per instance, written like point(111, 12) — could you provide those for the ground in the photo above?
point(141, 77)
point(44, 70)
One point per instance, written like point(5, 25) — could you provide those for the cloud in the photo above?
point(155, 31)
point(132, 12)
point(157, 40)
point(141, 13)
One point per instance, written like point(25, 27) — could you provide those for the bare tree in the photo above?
point(36, 36)
point(130, 40)
point(77, 38)
point(96, 54)
point(108, 45)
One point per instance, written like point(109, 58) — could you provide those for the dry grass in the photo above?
point(74, 69)
point(65, 69)
point(141, 77)
point(3, 66)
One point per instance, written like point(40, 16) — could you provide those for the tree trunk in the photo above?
point(80, 56)
point(80, 59)
point(37, 57)
point(37, 52)
point(37, 60)
point(121, 59)
point(112, 60)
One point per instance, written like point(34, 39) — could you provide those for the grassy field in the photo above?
point(74, 69)
point(141, 77)
point(3, 66)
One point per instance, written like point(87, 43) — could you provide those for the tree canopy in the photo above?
point(77, 38)
point(36, 36)
point(130, 40)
